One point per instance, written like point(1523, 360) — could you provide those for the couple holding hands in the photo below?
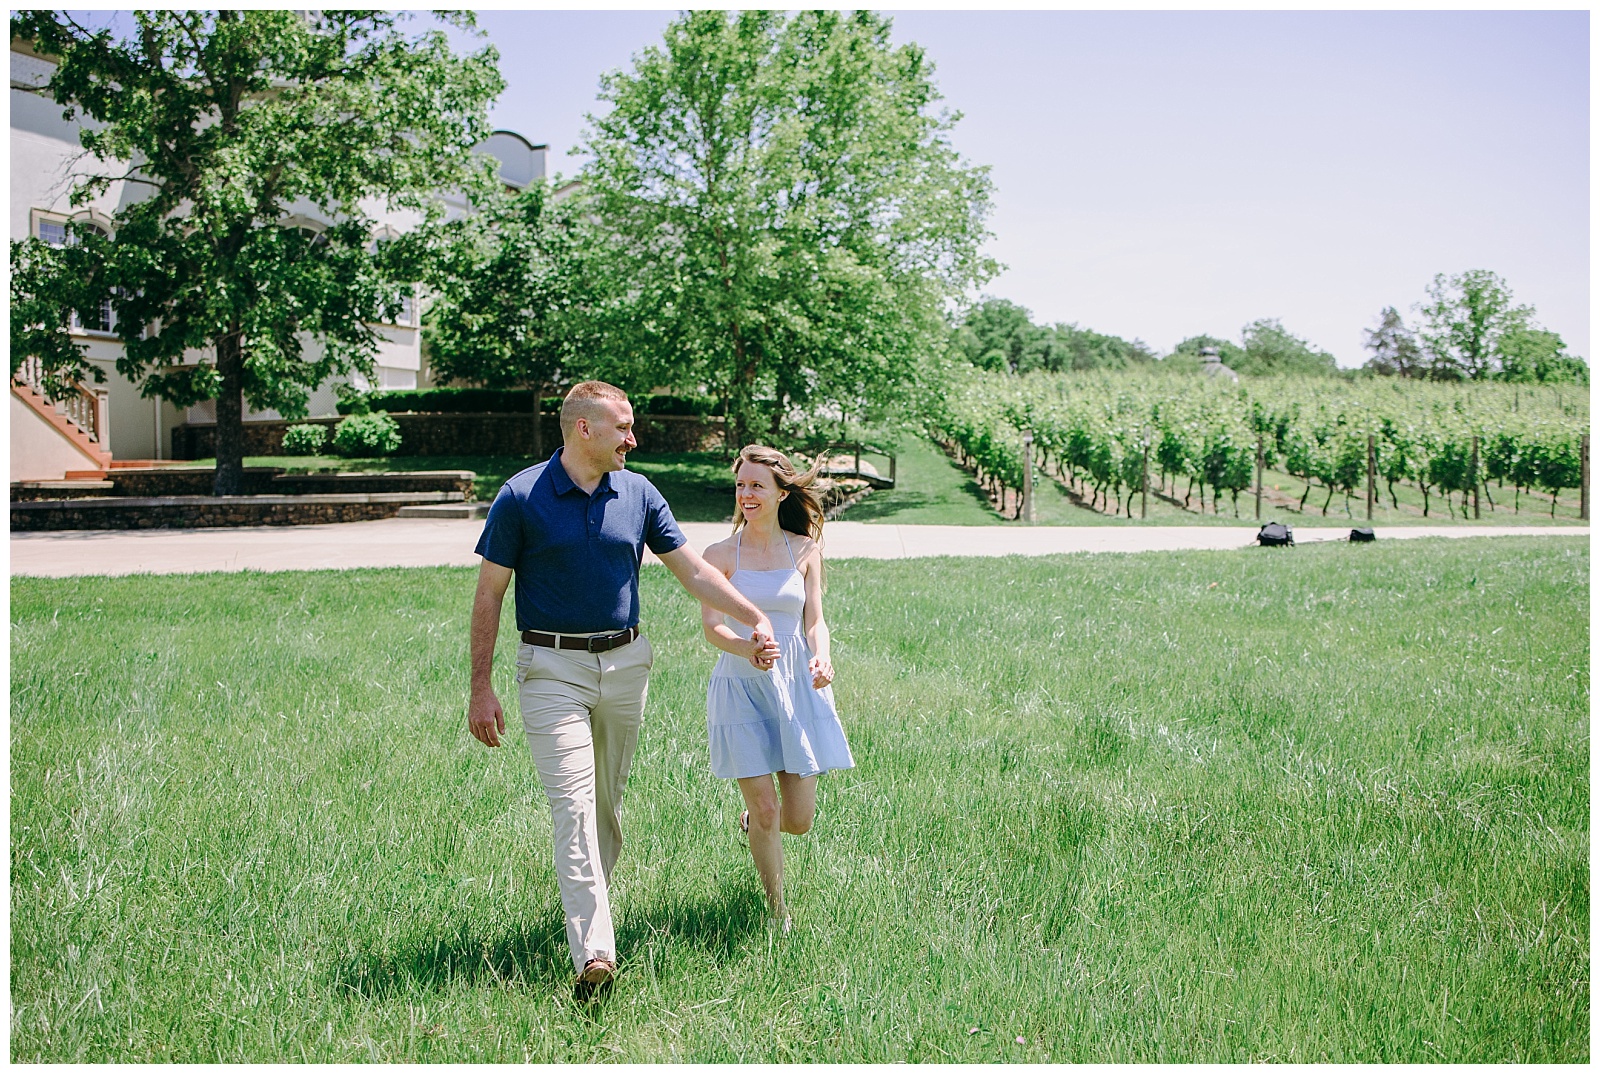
point(572, 531)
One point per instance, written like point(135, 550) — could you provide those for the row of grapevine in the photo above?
point(1109, 433)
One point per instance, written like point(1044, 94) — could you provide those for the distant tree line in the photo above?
point(1471, 329)
point(1001, 336)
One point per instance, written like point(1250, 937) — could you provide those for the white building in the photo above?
point(111, 419)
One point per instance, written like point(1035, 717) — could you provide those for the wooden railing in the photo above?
point(853, 450)
point(87, 408)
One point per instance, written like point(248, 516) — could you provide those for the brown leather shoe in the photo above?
point(595, 980)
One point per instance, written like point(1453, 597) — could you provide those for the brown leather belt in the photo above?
point(600, 643)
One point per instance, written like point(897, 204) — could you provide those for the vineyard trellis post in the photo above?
point(1583, 478)
point(1473, 475)
point(1260, 448)
point(1372, 475)
point(1027, 476)
point(1144, 479)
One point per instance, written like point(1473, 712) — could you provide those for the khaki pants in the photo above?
point(581, 712)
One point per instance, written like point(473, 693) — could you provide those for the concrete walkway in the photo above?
point(415, 542)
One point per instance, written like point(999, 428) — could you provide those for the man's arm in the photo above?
point(707, 585)
point(485, 719)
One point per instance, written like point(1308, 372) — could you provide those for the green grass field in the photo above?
point(1324, 803)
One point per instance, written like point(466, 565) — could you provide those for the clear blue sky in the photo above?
point(1161, 174)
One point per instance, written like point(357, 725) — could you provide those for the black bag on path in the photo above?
point(1362, 533)
point(1275, 533)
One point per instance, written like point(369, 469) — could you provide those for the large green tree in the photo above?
point(509, 295)
point(226, 120)
point(787, 222)
point(1466, 319)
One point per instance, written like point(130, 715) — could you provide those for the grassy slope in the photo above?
point(1325, 803)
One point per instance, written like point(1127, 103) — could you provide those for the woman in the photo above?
point(779, 720)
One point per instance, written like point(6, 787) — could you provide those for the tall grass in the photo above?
point(1319, 803)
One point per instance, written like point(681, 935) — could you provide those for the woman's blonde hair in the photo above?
point(800, 511)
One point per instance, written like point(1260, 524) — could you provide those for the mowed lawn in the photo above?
point(1321, 803)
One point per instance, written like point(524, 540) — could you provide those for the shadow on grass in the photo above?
point(537, 956)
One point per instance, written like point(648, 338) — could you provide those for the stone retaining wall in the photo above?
point(185, 512)
point(461, 434)
point(272, 481)
point(59, 490)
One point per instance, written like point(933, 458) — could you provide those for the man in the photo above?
point(573, 530)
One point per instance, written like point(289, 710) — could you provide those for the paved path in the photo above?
point(410, 542)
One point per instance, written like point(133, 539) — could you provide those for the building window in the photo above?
point(397, 379)
point(53, 230)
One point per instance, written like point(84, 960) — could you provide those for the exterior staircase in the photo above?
point(82, 419)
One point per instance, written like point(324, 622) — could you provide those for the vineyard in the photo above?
point(1111, 436)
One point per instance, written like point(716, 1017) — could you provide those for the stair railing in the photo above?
point(87, 408)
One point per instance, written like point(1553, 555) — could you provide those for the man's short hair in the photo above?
point(581, 400)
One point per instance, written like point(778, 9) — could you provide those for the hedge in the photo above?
point(506, 401)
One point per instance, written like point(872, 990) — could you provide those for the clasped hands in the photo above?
point(763, 650)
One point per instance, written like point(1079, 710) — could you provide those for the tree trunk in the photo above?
point(229, 479)
point(538, 422)
point(1327, 501)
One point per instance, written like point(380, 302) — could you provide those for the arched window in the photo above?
point(57, 232)
point(102, 317)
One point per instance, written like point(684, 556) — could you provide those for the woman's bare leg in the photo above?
point(799, 806)
point(761, 799)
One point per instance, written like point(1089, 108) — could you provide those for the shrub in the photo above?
point(367, 435)
point(305, 439)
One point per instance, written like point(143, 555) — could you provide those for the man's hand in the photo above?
point(763, 650)
point(485, 718)
point(821, 673)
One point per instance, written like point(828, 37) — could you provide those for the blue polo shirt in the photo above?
point(577, 555)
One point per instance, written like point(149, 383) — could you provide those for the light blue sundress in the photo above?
point(772, 721)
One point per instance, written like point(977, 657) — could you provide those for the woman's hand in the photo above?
point(821, 672)
point(763, 651)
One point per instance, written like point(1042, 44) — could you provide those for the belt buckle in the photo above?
point(606, 638)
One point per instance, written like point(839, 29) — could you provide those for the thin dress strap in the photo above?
point(738, 543)
point(792, 564)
